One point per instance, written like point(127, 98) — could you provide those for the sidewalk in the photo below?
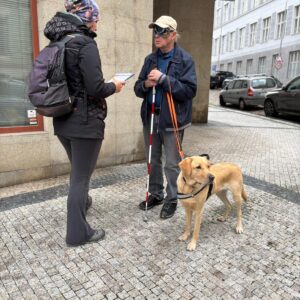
point(140, 260)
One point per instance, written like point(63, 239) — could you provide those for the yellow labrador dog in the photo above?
point(197, 180)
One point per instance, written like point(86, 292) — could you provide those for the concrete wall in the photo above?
point(195, 25)
point(123, 40)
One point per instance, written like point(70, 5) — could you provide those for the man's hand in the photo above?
point(154, 75)
point(149, 83)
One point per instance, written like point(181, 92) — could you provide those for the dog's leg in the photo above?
point(238, 201)
point(188, 224)
point(228, 206)
point(198, 218)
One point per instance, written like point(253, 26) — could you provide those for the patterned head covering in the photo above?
point(86, 10)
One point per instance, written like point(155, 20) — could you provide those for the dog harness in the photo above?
point(181, 196)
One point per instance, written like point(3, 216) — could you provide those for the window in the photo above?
point(238, 67)
point(238, 84)
point(249, 66)
point(229, 67)
point(217, 46)
point(16, 57)
point(294, 64)
point(242, 38)
point(226, 12)
point(281, 20)
point(297, 20)
point(266, 29)
point(244, 6)
point(261, 64)
point(244, 84)
point(259, 83)
point(295, 85)
point(231, 41)
point(252, 41)
point(270, 83)
point(218, 18)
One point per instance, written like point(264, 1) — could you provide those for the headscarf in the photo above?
point(86, 10)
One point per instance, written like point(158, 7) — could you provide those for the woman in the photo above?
point(82, 131)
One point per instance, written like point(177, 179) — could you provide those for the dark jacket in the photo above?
point(181, 77)
point(85, 79)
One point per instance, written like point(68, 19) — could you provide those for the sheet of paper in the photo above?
point(123, 76)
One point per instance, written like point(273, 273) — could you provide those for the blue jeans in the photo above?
point(164, 142)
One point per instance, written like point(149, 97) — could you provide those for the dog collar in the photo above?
point(181, 196)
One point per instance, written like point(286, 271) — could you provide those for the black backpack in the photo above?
point(47, 85)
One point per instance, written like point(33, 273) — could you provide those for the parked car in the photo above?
point(213, 82)
point(217, 79)
point(226, 81)
point(285, 100)
point(248, 91)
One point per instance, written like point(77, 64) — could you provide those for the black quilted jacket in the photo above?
point(85, 79)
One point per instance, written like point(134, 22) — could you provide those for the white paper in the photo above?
point(123, 76)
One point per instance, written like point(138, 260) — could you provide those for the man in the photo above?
point(168, 69)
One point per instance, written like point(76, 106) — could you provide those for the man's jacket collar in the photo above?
point(175, 58)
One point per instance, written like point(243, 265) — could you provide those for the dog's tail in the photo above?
point(244, 195)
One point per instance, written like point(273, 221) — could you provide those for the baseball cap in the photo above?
point(165, 22)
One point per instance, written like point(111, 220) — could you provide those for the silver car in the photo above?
point(248, 91)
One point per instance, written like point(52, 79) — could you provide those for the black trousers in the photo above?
point(83, 154)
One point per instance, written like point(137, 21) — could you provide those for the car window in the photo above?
point(237, 84)
point(244, 84)
point(259, 83)
point(295, 85)
point(230, 85)
point(270, 83)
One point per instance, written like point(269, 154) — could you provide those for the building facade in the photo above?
point(28, 148)
point(257, 36)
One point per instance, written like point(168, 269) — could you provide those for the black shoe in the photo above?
point(89, 202)
point(152, 201)
point(98, 235)
point(168, 210)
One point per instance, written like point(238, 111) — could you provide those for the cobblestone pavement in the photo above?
point(139, 260)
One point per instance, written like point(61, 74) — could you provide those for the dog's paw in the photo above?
point(184, 237)
point(239, 229)
point(221, 218)
point(191, 246)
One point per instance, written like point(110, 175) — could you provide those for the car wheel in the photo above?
point(222, 102)
point(269, 108)
point(242, 105)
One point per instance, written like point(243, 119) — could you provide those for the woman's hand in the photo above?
point(119, 85)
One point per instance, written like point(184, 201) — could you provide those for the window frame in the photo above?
point(296, 20)
point(266, 29)
point(252, 35)
point(36, 49)
point(281, 24)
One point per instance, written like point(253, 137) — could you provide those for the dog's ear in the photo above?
point(185, 166)
point(205, 155)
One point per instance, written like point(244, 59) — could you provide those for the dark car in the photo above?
point(285, 100)
point(217, 79)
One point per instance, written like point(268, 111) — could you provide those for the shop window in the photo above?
point(18, 18)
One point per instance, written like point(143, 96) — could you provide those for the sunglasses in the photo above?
point(163, 32)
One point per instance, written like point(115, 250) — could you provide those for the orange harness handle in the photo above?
point(175, 124)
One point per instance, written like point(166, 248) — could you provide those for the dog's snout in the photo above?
point(211, 177)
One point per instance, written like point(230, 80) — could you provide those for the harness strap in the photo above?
point(181, 196)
